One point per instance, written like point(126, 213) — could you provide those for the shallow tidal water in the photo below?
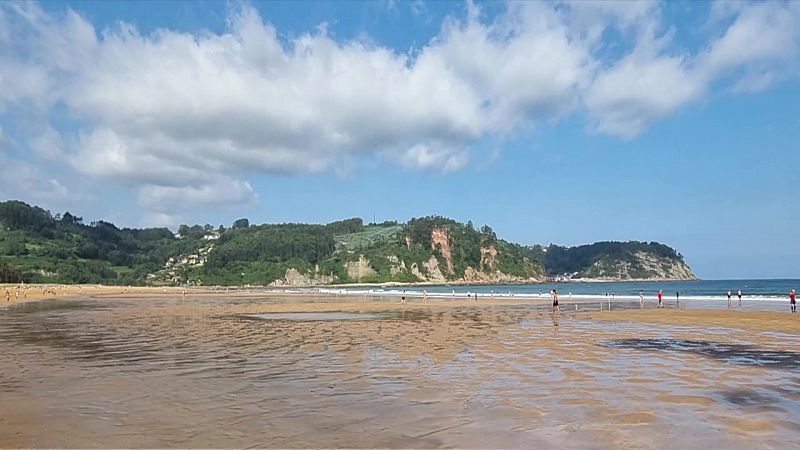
point(219, 373)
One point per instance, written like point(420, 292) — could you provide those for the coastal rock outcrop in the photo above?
point(294, 277)
point(358, 270)
point(440, 238)
point(488, 259)
point(641, 266)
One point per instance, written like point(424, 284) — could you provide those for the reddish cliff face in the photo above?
point(440, 238)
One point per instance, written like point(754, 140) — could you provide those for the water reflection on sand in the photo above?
point(165, 373)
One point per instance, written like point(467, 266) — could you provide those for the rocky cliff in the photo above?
point(644, 266)
point(439, 264)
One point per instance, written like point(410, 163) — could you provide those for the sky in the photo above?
point(553, 122)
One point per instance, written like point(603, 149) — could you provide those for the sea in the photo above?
point(699, 290)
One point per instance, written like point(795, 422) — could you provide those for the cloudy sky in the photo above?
point(565, 122)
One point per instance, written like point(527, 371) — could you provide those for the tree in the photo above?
point(10, 274)
point(241, 223)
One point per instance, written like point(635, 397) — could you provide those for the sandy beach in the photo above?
point(147, 367)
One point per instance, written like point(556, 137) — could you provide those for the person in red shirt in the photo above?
point(792, 302)
point(660, 296)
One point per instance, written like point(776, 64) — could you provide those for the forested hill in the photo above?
point(39, 246)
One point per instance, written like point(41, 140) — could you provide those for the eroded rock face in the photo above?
point(294, 277)
point(472, 275)
point(488, 259)
point(440, 238)
point(398, 266)
point(432, 268)
point(357, 270)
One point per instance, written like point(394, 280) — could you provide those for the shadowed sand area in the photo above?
point(138, 370)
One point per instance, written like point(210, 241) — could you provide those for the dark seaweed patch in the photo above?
point(730, 353)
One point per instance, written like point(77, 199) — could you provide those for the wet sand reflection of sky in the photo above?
point(166, 373)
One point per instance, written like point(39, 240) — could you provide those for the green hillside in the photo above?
point(38, 246)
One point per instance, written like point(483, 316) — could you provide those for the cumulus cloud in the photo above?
point(47, 144)
point(760, 46)
point(434, 158)
point(644, 86)
point(160, 219)
point(19, 179)
point(217, 191)
point(183, 117)
point(763, 41)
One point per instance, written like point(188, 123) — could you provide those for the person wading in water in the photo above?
point(554, 293)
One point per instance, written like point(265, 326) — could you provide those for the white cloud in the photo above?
point(435, 158)
point(160, 219)
point(590, 18)
point(644, 86)
point(764, 40)
point(213, 192)
point(182, 117)
point(19, 179)
point(761, 45)
point(47, 144)
point(523, 66)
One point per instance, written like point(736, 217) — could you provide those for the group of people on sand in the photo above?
point(19, 291)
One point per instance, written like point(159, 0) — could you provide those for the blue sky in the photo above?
point(564, 122)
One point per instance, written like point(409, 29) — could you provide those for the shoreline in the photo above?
point(569, 302)
point(479, 283)
point(36, 292)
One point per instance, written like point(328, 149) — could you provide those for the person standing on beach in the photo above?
point(729, 298)
point(403, 297)
point(677, 298)
point(555, 301)
point(660, 297)
point(424, 296)
point(739, 293)
point(792, 302)
point(641, 299)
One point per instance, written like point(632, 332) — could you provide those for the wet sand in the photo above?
point(782, 322)
point(136, 370)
